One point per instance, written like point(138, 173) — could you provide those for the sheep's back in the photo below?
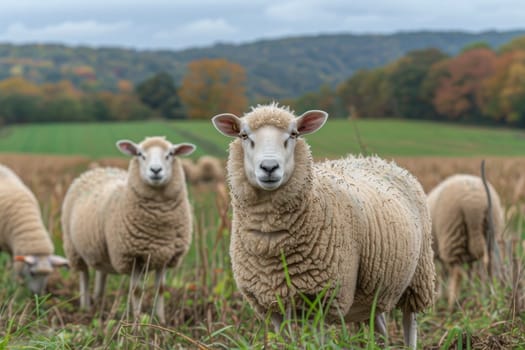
point(392, 204)
point(21, 226)
point(83, 214)
point(458, 208)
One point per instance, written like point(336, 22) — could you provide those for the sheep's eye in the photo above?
point(243, 136)
point(141, 155)
point(293, 134)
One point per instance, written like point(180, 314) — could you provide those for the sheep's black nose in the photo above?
point(269, 166)
point(155, 170)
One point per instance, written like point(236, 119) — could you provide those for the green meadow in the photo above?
point(337, 138)
point(204, 308)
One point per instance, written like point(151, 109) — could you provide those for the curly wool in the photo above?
point(112, 220)
point(359, 225)
point(22, 231)
point(271, 114)
point(458, 208)
point(210, 169)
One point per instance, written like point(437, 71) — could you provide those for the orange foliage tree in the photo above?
point(459, 87)
point(503, 94)
point(213, 86)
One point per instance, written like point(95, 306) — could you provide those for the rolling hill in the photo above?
point(279, 68)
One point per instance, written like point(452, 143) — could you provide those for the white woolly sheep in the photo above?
point(207, 169)
point(210, 169)
point(190, 171)
point(126, 222)
point(459, 208)
point(356, 226)
point(22, 233)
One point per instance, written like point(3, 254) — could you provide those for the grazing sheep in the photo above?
point(126, 222)
point(191, 172)
point(357, 226)
point(207, 169)
point(23, 235)
point(459, 208)
point(210, 169)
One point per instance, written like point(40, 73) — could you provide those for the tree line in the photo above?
point(479, 85)
point(210, 86)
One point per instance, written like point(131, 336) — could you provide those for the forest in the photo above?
point(480, 84)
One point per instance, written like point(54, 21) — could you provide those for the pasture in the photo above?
point(337, 138)
point(203, 307)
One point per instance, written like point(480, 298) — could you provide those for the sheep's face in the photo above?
point(155, 160)
point(34, 270)
point(269, 151)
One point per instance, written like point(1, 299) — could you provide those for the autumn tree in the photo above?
point(459, 86)
point(19, 100)
point(160, 94)
point(325, 99)
point(503, 94)
point(212, 86)
point(476, 45)
point(514, 45)
point(406, 77)
point(367, 94)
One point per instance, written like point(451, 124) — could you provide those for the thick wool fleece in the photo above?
point(110, 219)
point(271, 114)
point(22, 231)
point(458, 208)
point(356, 226)
point(210, 169)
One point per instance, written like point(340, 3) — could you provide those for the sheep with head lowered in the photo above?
point(207, 169)
point(210, 169)
point(355, 227)
point(23, 235)
point(125, 222)
point(461, 225)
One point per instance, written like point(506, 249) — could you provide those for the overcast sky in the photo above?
point(177, 24)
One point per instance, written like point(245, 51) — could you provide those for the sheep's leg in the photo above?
point(135, 292)
point(159, 294)
point(410, 329)
point(380, 325)
point(278, 319)
point(100, 285)
point(84, 289)
point(453, 287)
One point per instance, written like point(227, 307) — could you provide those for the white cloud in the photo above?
point(199, 32)
point(65, 31)
point(298, 11)
point(202, 27)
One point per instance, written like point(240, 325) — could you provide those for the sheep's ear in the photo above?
point(183, 149)
point(310, 121)
point(28, 259)
point(128, 147)
point(57, 260)
point(228, 124)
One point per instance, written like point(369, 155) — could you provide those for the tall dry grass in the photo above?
point(205, 310)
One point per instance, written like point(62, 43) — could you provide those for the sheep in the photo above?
point(125, 222)
point(190, 171)
point(354, 227)
point(210, 169)
point(461, 220)
point(207, 169)
point(23, 234)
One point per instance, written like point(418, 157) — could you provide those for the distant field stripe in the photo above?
point(337, 138)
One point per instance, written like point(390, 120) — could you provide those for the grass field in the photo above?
point(337, 138)
point(203, 306)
